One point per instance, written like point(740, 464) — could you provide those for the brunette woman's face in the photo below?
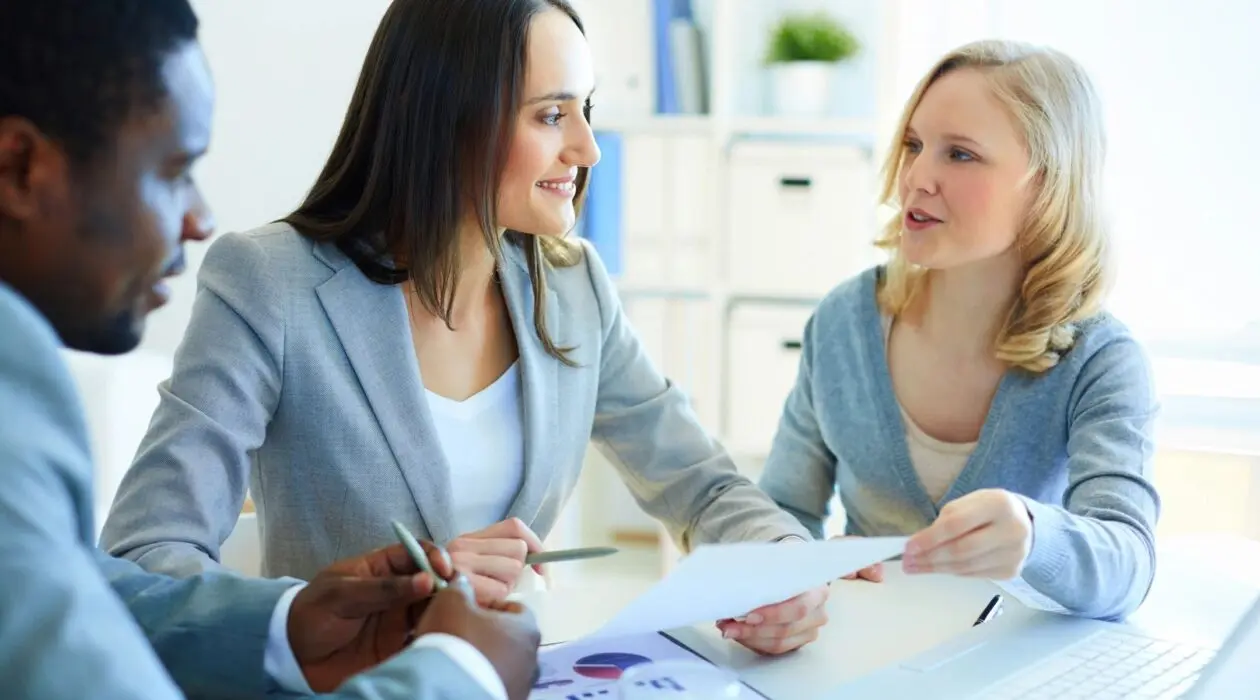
point(552, 137)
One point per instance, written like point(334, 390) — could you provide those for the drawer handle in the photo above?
point(802, 182)
point(791, 345)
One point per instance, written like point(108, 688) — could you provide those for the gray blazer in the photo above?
point(76, 623)
point(298, 376)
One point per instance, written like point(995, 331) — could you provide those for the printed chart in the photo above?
point(589, 670)
point(607, 666)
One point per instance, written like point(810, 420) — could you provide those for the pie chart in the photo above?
point(607, 666)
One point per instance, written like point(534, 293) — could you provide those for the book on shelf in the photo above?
point(690, 81)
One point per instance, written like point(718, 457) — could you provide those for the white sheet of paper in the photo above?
point(1020, 590)
point(730, 580)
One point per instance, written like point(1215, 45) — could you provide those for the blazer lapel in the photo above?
point(371, 321)
point(540, 385)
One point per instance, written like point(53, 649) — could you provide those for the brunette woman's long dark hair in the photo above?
point(426, 133)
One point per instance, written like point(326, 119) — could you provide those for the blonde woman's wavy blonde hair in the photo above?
point(1064, 239)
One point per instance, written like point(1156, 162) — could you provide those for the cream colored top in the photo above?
point(937, 463)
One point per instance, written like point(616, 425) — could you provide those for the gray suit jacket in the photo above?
point(298, 376)
point(76, 623)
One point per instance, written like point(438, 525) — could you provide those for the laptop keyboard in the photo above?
point(1108, 665)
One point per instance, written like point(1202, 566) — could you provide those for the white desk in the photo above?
point(1195, 598)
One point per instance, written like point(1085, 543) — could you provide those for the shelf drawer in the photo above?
point(669, 210)
point(763, 354)
point(802, 217)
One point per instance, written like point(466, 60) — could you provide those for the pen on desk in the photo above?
point(568, 555)
point(990, 611)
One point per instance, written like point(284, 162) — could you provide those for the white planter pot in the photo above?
point(801, 88)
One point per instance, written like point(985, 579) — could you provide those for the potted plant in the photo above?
point(803, 52)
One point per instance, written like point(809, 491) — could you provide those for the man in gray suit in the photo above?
point(104, 107)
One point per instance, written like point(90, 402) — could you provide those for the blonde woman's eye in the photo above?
point(911, 145)
point(960, 155)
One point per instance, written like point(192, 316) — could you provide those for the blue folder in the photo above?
point(601, 215)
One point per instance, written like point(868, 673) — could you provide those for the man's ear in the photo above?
point(30, 164)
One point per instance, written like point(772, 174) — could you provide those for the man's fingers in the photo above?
point(392, 560)
point(510, 607)
point(520, 615)
point(488, 590)
point(395, 560)
point(439, 560)
point(354, 597)
point(458, 594)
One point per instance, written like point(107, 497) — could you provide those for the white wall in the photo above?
point(1180, 83)
point(284, 71)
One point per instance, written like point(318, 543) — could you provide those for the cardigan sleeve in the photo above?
point(1094, 554)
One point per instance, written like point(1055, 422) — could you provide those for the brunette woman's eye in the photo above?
point(553, 118)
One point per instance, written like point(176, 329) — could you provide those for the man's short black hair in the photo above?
point(78, 69)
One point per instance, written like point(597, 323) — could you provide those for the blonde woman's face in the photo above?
point(962, 176)
point(553, 138)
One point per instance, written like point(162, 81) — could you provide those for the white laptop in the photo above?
point(1046, 655)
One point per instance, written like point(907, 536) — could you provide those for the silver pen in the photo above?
point(417, 554)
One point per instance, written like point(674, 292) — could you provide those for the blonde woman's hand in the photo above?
point(985, 534)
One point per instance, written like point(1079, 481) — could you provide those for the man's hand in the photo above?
point(359, 612)
point(506, 633)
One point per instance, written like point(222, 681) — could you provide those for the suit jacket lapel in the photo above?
point(371, 322)
point(539, 381)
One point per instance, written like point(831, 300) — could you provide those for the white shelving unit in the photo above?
point(752, 126)
point(735, 32)
point(729, 332)
point(707, 199)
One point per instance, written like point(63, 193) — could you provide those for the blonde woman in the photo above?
point(973, 393)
